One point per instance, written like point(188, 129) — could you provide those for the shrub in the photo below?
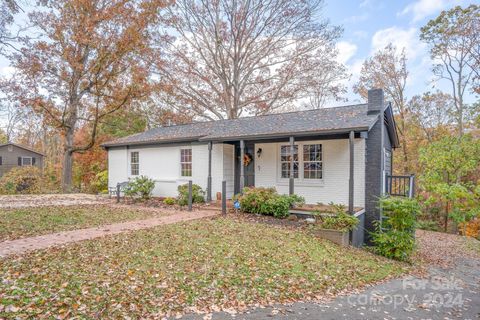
point(141, 186)
point(100, 182)
point(394, 244)
point(22, 180)
point(394, 237)
point(169, 201)
point(428, 225)
point(198, 195)
point(400, 213)
point(341, 221)
point(267, 201)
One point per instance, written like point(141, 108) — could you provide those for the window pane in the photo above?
point(186, 162)
point(26, 161)
point(135, 169)
point(285, 159)
point(312, 161)
point(134, 157)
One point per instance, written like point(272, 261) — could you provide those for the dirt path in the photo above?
point(42, 242)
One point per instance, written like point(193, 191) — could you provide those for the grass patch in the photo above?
point(472, 245)
point(26, 222)
point(181, 268)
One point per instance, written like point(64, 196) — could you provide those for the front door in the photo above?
point(248, 166)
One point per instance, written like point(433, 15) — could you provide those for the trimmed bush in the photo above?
point(141, 186)
point(267, 201)
point(22, 180)
point(169, 201)
point(394, 237)
point(198, 195)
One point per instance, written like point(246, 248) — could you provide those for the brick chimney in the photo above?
point(375, 101)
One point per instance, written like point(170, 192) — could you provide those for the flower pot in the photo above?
point(339, 237)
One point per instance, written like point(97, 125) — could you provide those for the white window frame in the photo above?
point(300, 179)
point(314, 161)
point(288, 162)
point(182, 162)
point(23, 161)
point(137, 163)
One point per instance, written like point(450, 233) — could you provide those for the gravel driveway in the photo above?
point(44, 200)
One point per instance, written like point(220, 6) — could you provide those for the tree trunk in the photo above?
point(67, 162)
point(446, 215)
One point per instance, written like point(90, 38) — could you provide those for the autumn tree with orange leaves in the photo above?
point(85, 65)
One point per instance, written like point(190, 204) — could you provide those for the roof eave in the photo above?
point(148, 142)
point(285, 134)
point(22, 147)
point(393, 126)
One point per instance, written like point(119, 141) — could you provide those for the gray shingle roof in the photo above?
point(327, 120)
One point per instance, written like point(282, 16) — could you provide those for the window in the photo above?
point(307, 166)
point(186, 162)
point(312, 161)
point(285, 161)
point(134, 163)
point(25, 161)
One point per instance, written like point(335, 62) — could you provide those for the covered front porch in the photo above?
point(321, 168)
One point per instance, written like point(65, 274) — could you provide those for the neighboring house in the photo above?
point(13, 155)
point(341, 154)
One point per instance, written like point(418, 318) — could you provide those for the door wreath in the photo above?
point(247, 158)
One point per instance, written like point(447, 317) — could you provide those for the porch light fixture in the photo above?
point(259, 152)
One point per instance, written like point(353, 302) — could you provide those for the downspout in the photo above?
point(351, 179)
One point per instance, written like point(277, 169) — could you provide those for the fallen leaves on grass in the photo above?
point(25, 222)
point(202, 266)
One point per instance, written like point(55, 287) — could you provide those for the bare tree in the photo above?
point(8, 8)
point(232, 58)
point(387, 69)
point(450, 37)
point(433, 112)
point(327, 84)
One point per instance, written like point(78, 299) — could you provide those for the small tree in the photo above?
point(447, 166)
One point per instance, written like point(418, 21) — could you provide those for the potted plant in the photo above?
point(336, 227)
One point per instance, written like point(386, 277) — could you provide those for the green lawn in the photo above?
point(17, 223)
point(178, 268)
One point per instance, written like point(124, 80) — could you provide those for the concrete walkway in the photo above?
point(20, 246)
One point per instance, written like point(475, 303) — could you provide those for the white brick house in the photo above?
point(339, 154)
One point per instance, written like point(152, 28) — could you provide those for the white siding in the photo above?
point(333, 186)
point(117, 166)
point(162, 164)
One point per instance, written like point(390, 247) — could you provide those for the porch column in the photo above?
point(292, 166)
point(351, 179)
point(209, 179)
point(242, 169)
